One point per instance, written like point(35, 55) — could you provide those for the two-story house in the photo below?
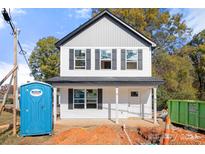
point(106, 71)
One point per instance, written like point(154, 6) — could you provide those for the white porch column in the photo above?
point(116, 105)
point(155, 105)
point(55, 104)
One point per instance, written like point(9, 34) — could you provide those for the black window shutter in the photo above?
point(88, 59)
point(100, 98)
point(70, 99)
point(71, 59)
point(123, 59)
point(140, 57)
point(114, 59)
point(97, 59)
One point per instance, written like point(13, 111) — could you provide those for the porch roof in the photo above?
point(142, 81)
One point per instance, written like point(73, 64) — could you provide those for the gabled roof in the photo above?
point(95, 19)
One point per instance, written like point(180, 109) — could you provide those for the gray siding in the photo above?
point(106, 33)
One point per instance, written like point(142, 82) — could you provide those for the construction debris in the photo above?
point(128, 137)
point(181, 137)
point(152, 135)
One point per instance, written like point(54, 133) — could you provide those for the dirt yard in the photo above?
point(104, 134)
point(95, 131)
point(114, 135)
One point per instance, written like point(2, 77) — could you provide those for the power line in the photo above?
point(8, 19)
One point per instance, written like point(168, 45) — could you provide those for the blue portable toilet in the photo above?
point(35, 109)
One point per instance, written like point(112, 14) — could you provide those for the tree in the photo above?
point(168, 31)
point(45, 59)
point(195, 49)
point(177, 72)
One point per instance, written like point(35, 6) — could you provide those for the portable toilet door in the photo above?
point(35, 109)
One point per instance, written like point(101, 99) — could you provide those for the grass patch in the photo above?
point(6, 118)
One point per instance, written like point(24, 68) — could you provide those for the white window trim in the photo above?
point(131, 61)
point(85, 99)
point(106, 60)
point(79, 59)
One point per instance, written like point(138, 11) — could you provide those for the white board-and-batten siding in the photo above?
point(106, 33)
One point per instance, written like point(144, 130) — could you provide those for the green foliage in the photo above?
point(45, 59)
point(196, 51)
point(177, 72)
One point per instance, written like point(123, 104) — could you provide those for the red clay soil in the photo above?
point(102, 135)
point(186, 137)
point(114, 135)
point(179, 136)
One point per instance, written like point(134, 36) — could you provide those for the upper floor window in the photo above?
point(79, 59)
point(131, 59)
point(106, 59)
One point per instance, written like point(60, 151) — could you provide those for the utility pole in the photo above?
point(15, 95)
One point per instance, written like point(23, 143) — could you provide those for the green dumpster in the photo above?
point(189, 113)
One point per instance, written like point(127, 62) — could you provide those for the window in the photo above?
point(85, 98)
point(79, 59)
point(134, 94)
point(79, 98)
point(106, 57)
point(131, 59)
point(91, 98)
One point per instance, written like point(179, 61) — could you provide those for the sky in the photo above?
point(35, 24)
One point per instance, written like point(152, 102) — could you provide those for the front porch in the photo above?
point(120, 99)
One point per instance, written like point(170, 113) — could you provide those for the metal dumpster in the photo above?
point(189, 113)
point(35, 109)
